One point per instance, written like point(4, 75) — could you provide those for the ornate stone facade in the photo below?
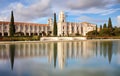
point(64, 28)
point(27, 29)
point(72, 28)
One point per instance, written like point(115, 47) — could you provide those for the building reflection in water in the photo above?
point(55, 54)
point(59, 51)
point(12, 54)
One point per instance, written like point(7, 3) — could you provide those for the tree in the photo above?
point(12, 55)
point(104, 26)
point(55, 26)
point(92, 33)
point(110, 23)
point(100, 27)
point(55, 54)
point(12, 26)
point(105, 32)
point(116, 31)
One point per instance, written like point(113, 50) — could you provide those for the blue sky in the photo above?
point(38, 11)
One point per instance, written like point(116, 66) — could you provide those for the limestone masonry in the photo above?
point(63, 28)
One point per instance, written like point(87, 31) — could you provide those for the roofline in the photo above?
point(23, 23)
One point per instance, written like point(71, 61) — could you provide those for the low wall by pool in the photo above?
point(61, 38)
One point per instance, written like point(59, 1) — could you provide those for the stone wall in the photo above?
point(61, 38)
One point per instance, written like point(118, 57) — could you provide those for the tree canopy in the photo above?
point(106, 30)
point(55, 26)
point(104, 26)
point(12, 26)
point(110, 23)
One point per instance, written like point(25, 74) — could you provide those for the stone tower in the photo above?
point(61, 22)
point(62, 17)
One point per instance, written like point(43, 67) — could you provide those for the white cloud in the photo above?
point(31, 10)
point(92, 20)
point(41, 8)
point(93, 11)
point(85, 4)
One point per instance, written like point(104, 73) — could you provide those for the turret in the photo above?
point(62, 17)
point(50, 24)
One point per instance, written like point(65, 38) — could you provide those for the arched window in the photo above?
point(40, 28)
point(63, 27)
point(30, 27)
point(63, 20)
point(48, 27)
point(77, 29)
point(63, 33)
point(44, 28)
point(27, 34)
point(5, 34)
point(35, 27)
point(81, 29)
point(0, 34)
point(67, 27)
point(72, 29)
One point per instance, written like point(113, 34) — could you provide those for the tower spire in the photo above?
point(62, 17)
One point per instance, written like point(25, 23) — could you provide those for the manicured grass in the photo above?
point(20, 38)
point(103, 37)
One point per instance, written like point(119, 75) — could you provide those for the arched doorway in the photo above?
point(27, 34)
point(35, 33)
point(40, 34)
point(5, 34)
point(0, 34)
point(32, 34)
point(43, 33)
point(19, 34)
point(22, 34)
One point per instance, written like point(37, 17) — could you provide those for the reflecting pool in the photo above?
point(76, 58)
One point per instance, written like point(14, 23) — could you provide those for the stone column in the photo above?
point(79, 28)
point(75, 28)
point(33, 29)
point(24, 30)
point(70, 30)
point(45, 29)
point(29, 30)
point(37, 29)
point(2, 30)
point(8, 30)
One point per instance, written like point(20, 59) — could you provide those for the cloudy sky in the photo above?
point(93, 11)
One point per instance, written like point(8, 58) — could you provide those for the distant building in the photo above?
point(64, 28)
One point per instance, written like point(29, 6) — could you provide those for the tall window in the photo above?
point(30, 27)
point(48, 28)
point(72, 29)
point(40, 28)
point(43, 28)
point(63, 20)
point(77, 29)
point(26, 27)
point(81, 29)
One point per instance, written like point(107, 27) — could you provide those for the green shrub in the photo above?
point(17, 38)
